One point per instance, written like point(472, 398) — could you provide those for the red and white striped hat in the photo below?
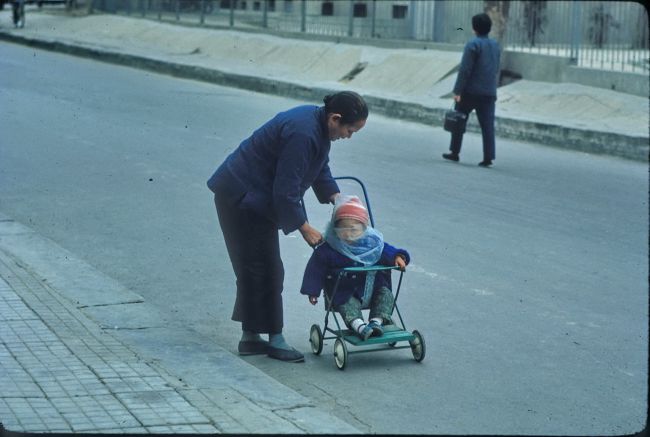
point(352, 208)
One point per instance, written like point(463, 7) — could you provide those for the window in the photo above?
point(288, 6)
point(400, 11)
point(360, 10)
point(327, 8)
point(271, 5)
point(242, 5)
point(224, 4)
point(257, 6)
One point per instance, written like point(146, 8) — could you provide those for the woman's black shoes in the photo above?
point(253, 347)
point(485, 163)
point(263, 348)
point(291, 356)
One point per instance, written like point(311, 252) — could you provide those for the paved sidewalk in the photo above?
point(408, 83)
point(61, 371)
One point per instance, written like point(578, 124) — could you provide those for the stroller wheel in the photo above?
point(316, 339)
point(418, 347)
point(340, 354)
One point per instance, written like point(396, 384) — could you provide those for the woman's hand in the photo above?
point(313, 300)
point(400, 262)
point(311, 235)
point(456, 98)
point(333, 198)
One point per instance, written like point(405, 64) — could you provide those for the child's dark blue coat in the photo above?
point(319, 273)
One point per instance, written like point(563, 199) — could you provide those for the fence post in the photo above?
point(202, 19)
point(374, 16)
point(232, 12)
point(576, 31)
point(411, 17)
point(265, 14)
point(439, 21)
point(177, 6)
point(351, 20)
point(303, 16)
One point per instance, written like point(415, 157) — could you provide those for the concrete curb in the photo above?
point(584, 140)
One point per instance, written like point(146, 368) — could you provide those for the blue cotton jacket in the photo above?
point(479, 68)
point(272, 169)
point(320, 273)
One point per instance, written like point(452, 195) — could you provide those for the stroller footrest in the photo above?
point(390, 336)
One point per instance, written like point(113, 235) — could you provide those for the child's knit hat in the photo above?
point(350, 207)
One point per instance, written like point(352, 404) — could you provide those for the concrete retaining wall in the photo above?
point(556, 69)
point(630, 83)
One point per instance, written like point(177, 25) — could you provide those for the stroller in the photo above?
point(393, 333)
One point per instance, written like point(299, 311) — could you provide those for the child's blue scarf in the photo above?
point(366, 250)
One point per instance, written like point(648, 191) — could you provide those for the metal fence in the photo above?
point(597, 34)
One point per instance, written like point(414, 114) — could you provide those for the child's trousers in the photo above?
point(381, 305)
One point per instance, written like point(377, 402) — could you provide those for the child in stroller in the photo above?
point(350, 241)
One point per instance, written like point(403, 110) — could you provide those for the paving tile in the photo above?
point(161, 407)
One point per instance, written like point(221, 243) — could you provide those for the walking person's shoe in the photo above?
point(485, 163)
point(451, 156)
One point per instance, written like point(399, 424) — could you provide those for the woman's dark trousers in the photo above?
point(254, 249)
point(484, 106)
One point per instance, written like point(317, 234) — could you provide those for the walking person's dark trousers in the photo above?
point(484, 106)
point(254, 249)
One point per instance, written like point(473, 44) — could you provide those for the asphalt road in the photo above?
point(528, 280)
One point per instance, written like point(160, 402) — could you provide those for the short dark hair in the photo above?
point(349, 104)
point(482, 23)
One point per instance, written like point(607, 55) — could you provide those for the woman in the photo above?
point(258, 189)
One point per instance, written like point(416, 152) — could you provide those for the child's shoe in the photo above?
point(377, 330)
point(364, 331)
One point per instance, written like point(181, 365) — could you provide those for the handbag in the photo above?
point(455, 121)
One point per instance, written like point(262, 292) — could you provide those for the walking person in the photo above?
point(476, 87)
point(258, 189)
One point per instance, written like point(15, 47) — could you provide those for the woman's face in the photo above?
point(349, 230)
point(338, 130)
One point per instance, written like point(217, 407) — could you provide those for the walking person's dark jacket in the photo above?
point(479, 68)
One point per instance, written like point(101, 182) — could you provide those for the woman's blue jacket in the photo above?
point(272, 169)
point(320, 273)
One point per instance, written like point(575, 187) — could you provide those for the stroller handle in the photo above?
point(365, 194)
point(368, 269)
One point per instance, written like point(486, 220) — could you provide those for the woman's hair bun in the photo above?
point(349, 104)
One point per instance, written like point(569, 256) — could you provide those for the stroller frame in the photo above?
point(393, 333)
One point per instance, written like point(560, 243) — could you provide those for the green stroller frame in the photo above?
point(393, 333)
